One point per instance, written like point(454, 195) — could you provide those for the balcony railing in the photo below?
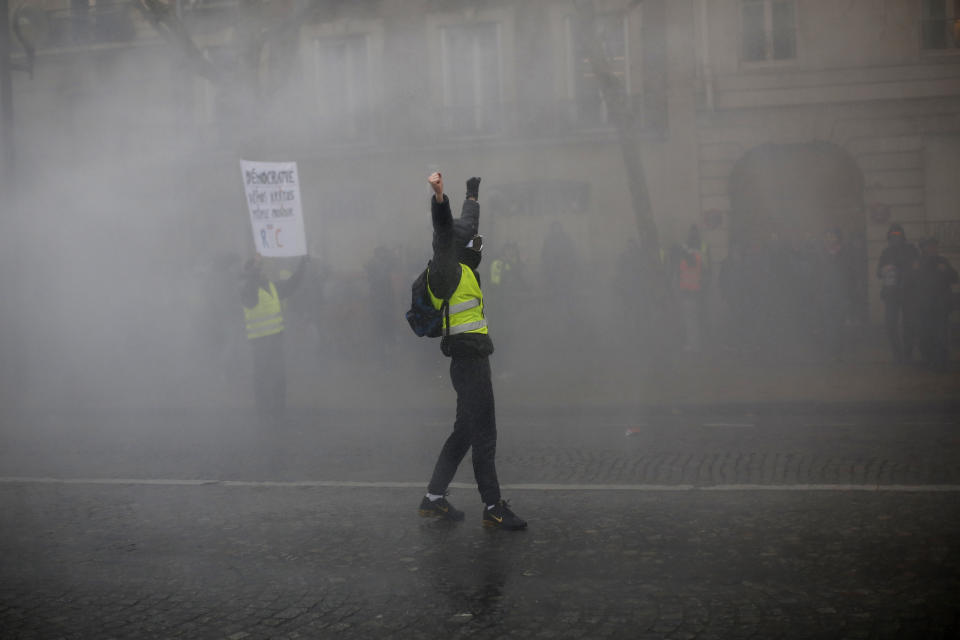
point(77, 24)
point(527, 119)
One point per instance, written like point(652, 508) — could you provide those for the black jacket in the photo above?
point(901, 256)
point(250, 297)
point(928, 285)
point(450, 238)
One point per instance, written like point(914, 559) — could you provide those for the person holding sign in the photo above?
point(453, 276)
point(263, 312)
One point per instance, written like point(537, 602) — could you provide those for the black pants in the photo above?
point(269, 376)
point(933, 330)
point(900, 331)
point(475, 426)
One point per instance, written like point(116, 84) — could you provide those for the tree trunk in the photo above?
point(628, 129)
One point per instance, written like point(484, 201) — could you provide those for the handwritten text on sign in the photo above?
point(273, 199)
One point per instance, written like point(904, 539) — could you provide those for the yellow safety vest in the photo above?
point(497, 269)
point(466, 305)
point(266, 318)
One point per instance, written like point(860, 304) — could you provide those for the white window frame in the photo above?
point(351, 88)
point(503, 18)
point(372, 32)
point(446, 70)
point(573, 68)
point(768, 33)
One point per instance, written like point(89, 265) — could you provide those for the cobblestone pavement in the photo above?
point(209, 561)
point(594, 448)
point(162, 553)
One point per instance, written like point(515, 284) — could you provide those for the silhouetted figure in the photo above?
point(895, 262)
point(382, 300)
point(630, 288)
point(733, 282)
point(508, 274)
point(929, 299)
point(507, 291)
point(836, 283)
point(263, 312)
point(558, 262)
point(688, 275)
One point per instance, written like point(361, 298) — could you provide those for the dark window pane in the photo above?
point(934, 9)
point(343, 100)
point(784, 30)
point(754, 36)
point(472, 78)
point(610, 32)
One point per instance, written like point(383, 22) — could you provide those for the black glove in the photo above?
point(473, 187)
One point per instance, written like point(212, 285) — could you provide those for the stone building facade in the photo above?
point(758, 118)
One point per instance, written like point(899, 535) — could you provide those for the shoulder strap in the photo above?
point(444, 304)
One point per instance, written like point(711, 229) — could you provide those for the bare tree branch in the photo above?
point(164, 19)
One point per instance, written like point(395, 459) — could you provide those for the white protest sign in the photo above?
point(273, 198)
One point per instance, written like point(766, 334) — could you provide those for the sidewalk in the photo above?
point(535, 376)
point(720, 379)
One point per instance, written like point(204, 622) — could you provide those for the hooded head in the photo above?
point(253, 269)
point(463, 233)
point(895, 234)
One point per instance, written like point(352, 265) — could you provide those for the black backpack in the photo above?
point(424, 318)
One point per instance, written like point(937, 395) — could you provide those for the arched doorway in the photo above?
point(784, 197)
point(780, 190)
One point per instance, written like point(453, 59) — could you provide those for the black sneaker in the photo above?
point(439, 508)
point(501, 517)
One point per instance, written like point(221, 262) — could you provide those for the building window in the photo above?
point(769, 30)
point(585, 94)
point(342, 86)
point(471, 78)
point(940, 24)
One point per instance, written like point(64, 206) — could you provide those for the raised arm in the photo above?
point(470, 212)
point(445, 268)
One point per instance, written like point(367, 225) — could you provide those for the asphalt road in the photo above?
point(738, 524)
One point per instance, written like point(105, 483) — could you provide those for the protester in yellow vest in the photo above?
point(466, 341)
point(263, 309)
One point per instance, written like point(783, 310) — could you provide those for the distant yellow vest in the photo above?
point(466, 305)
point(497, 269)
point(265, 319)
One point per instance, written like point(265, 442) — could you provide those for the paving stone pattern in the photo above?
point(247, 562)
point(547, 447)
point(208, 561)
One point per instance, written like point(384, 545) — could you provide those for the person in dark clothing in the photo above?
point(383, 305)
point(263, 312)
point(453, 276)
point(836, 283)
point(895, 261)
point(928, 293)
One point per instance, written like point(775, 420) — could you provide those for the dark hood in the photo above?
point(463, 231)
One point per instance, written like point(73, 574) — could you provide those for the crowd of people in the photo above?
point(776, 297)
point(796, 293)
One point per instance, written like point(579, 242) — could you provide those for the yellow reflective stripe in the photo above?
point(264, 333)
point(267, 317)
point(263, 326)
point(273, 317)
